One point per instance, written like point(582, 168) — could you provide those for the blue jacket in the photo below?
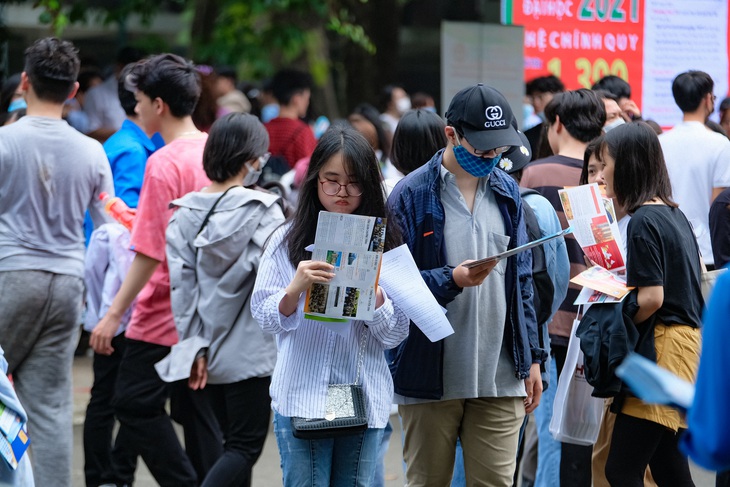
point(417, 363)
point(707, 439)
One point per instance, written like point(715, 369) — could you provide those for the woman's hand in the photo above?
point(308, 273)
point(198, 374)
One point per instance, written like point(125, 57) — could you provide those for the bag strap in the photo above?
point(212, 208)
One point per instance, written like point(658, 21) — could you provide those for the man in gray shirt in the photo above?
point(51, 175)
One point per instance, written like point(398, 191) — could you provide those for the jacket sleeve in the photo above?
point(707, 440)
point(524, 275)
point(440, 280)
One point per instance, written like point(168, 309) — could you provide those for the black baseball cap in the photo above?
point(484, 117)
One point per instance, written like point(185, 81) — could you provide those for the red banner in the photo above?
point(581, 41)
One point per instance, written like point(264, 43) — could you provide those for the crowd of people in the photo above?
point(201, 305)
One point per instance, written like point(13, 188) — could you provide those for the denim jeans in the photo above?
point(379, 479)
point(548, 449)
point(335, 462)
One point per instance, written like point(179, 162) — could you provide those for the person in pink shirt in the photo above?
point(166, 88)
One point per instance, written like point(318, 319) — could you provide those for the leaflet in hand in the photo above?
point(655, 385)
point(517, 250)
point(14, 440)
point(354, 245)
point(599, 279)
point(593, 217)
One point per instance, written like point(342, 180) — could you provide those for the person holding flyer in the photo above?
point(664, 264)
point(477, 384)
point(343, 177)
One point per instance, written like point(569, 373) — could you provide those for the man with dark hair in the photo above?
point(477, 384)
point(622, 91)
point(127, 151)
point(291, 138)
point(51, 175)
point(574, 119)
point(166, 88)
point(700, 175)
point(540, 91)
point(101, 103)
point(614, 116)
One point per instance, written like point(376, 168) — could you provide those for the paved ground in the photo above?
point(267, 472)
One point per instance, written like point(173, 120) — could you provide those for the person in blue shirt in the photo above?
point(707, 439)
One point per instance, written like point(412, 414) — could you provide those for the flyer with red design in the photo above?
point(593, 219)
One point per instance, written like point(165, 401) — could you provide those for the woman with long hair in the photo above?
point(342, 177)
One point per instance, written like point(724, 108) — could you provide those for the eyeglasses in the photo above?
point(331, 188)
point(481, 153)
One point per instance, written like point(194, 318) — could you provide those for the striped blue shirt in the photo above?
point(311, 356)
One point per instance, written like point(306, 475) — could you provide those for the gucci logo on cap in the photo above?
point(493, 112)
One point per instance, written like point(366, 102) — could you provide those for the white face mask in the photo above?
point(403, 105)
point(616, 123)
point(252, 176)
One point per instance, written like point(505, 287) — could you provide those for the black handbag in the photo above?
point(345, 412)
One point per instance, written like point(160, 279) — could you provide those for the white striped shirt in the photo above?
point(311, 357)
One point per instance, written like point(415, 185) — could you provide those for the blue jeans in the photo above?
point(332, 462)
point(379, 479)
point(548, 450)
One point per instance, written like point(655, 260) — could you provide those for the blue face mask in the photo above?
point(474, 165)
point(18, 104)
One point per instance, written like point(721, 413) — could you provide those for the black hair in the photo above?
point(234, 139)
point(362, 166)
point(169, 77)
point(52, 66)
point(126, 97)
point(8, 90)
point(289, 82)
point(580, 111)
point(640, 173)
point(605, 94)
point(86, 76)
point(544, 84)
point(724, 104)
point(371, 114)
point(590, 151)
point(613, 84)
point(689, 88)
point(227, 72)
point(386, 96)
point(418, 136)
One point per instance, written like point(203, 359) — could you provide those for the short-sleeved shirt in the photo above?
point(662, 251)
point(50, 175)
point(172, 172)
point(698, 160)
point(128, 150)
point(291, 139)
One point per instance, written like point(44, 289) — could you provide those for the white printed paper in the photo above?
point(354, 245)
point(402, 280)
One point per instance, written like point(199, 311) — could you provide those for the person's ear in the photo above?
point(73, 91)
point(450, 133)
point(159, 106)
point(24, 82)
point(558, 125)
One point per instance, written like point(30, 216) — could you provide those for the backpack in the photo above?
point(542, 284)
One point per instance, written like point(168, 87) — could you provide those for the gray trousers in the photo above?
point(39, 321)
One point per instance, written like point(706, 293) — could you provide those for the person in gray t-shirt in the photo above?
point(51, 175)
